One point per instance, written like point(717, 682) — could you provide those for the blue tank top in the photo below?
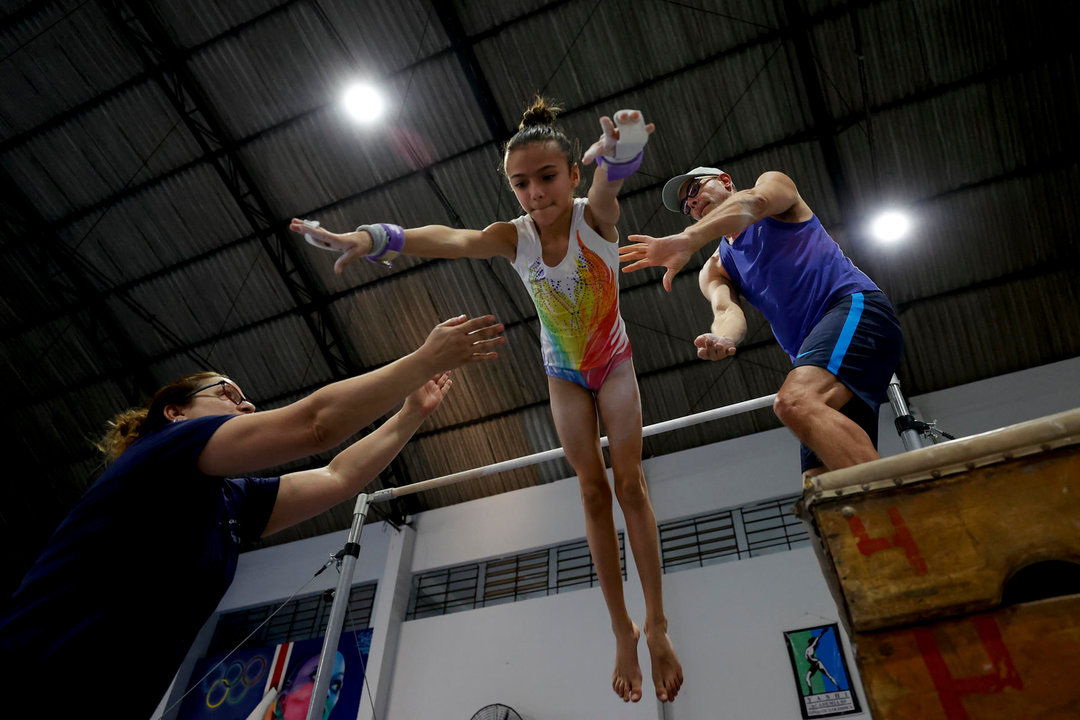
point(793, 273)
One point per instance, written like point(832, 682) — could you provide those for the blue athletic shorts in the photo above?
point(859, 341)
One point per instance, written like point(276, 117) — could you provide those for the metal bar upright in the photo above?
point(337, 611)
point(912, 439)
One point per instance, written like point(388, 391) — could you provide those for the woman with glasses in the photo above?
point(146, 555)
point(835, 324)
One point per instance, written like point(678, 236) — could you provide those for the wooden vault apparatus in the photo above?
point(924, 553)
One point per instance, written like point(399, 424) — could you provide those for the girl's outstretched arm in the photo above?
point(497, 239)
point(437, 241)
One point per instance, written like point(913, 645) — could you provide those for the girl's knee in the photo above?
point(595, 494)
point(631, 491)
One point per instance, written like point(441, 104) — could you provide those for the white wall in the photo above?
point(731, 621)
point(276, 572)
point(551, 657)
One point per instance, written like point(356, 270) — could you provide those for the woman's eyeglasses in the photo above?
point(228, 390)
point(691, 192)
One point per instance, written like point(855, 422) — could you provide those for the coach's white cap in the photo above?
point(674, 185)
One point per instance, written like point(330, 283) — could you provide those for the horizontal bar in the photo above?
point(387, 494)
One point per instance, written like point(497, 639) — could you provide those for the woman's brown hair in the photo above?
point(537, 126)
point(128, 426)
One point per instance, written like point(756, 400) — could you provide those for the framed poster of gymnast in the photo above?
point(822, 680)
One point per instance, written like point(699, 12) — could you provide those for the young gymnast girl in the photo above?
point(566, 251)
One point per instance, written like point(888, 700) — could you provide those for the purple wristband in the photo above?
point(397, 237)
point(395, 242)
point(621, 170)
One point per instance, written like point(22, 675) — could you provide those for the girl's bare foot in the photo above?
point(626, 679)
point(666, 671)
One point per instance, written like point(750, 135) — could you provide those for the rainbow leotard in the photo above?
point(582, 334)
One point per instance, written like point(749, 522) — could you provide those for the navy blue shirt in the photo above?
point(133, 572)
point(793, 273)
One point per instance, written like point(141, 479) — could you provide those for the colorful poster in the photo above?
point(821, 672)
point(235, 684)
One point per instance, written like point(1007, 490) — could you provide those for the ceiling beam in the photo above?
point(149, 40)
point(825, 126)
point(462, 47)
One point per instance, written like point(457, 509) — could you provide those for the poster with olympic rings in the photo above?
point(233, 685)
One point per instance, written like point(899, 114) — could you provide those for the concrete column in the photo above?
point(391, 604)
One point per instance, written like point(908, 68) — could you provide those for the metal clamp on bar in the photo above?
point(908, 422)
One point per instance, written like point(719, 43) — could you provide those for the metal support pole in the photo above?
point(337, 611)
point(912, 438)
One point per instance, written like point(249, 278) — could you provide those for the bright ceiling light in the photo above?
point(363, 103)
point(890, 226)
